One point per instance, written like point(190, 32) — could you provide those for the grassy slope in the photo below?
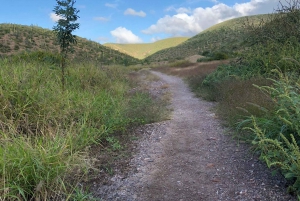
point(143, 50)
point(15, 39)
point(226, 36)
point(46, 134)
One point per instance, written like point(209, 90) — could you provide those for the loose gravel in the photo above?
point(191, 157)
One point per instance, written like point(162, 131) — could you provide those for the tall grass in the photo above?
point(45, 133)
point(258, 93)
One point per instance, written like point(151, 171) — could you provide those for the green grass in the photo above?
point(226, 37)
point(141, 51)
point(45, 133)
point(236, 23)
point(16, 39)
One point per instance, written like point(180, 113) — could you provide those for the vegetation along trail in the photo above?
point(189, 158)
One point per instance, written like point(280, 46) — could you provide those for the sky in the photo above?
point(135, 21)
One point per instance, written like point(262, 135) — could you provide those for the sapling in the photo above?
point(63, 29)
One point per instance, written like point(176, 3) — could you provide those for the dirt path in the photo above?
point(189, 158)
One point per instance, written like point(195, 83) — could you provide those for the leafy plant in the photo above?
point(65, 26)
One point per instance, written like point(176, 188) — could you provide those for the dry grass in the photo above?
point(143, 50)
point(199, 69)
point(238, 98)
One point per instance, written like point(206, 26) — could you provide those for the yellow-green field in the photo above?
point(143, 50)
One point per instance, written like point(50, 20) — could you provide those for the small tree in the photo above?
point(65, 26)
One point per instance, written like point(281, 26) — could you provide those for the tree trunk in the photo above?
point(63, 65)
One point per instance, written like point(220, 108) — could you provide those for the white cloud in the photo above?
point(101, 19)
point(55, 17)
point(111, 5)
point(170, 8)
point(179, 10)
point(123, 35)
point(256, 6)
point(189, 22)
point(131, 11)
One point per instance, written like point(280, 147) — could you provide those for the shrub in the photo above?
point(279, 139)
point(220, 56)
point(205, 53)
point(181, 63)
point(213, 56)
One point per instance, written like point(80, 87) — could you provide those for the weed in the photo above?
point(279, 150)
point(80, 195)
point(114, 143)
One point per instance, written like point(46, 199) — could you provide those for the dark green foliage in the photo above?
point(66, 24)
point(205, 53)
point(213, 56)
point(64, 28)
point(220, 56)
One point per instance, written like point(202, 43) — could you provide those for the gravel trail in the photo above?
point(189, 158)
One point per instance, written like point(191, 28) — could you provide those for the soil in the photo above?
point(190, 157)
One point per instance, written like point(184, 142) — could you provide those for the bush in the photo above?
point(180, 63)
point(213, 56)
point(220, 56)
point(279, 139)
point(205, 53)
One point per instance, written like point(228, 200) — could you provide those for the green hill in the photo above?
point(15, 39)
point(223, 37)
point(143, 50)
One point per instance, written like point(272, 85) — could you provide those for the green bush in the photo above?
point(180, 63)
point(205, 53)
point(213, 56)
point(279, 139)
point(220, 56)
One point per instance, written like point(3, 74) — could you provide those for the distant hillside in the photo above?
point(15, 39)
point(225, 37)
point(143, 50)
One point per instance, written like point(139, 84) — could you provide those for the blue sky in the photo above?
point(135, 21)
